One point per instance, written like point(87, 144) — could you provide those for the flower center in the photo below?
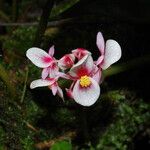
point(85, 81)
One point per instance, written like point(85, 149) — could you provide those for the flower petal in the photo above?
point(42, 82)
point(53, 69)
point(54, 88)
point(60, 92)
point(83, 67)
point(100, 42)
point(80, 53)
point(70, 90)
point(45, 73)
point(100, 60)
point(112, 53)
point(63, 75)
point(86, 96)
point(97, 74)
point(66, 61)
point(51, 51)
point(39, 57)
point(69, 93)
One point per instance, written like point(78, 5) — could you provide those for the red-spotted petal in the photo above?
point(83, 67)
point(39, 57)
point(80, 53)
point(42, 82)
point(53, 69)
point(66, 61)
point(112, 53)
point(86, 96)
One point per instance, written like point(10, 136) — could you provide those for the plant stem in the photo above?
point(25, 86)
point(43, 22)
point(83, 124)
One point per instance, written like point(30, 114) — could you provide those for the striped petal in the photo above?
point(39, 57)
point(86, 96)
point(112, 53)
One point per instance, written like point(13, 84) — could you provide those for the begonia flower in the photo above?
point(51, 83)
point(80, 53)
point(86, 90)
point(66, 62)
point(78, 67)
point(44, 60)
point(69, 91)
point(110, 52)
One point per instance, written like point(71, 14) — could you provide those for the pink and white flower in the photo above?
point(110, 52)
point(80, 53)
point(85, 74)
point(85, 89)
point(66, 62)
point(51, 83)
point(43, 60)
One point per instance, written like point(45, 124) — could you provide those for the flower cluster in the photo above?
point(77, 66)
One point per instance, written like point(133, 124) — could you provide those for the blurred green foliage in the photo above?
point(130, 118)
point(61, 145)
point(20, 40)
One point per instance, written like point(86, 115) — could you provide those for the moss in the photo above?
point(129, 118)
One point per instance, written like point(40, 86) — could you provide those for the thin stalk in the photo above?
point(83, 124)
point(25, 85)
point(43, 22)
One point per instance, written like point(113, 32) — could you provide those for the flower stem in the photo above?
point(83, 124)
point(25, 85)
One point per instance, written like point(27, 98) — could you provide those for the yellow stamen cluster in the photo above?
point(85, 81)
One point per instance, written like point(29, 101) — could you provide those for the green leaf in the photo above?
point(62, 145)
